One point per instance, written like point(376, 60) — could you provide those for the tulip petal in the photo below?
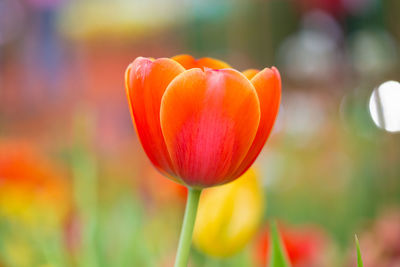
point(189, 62)
point(268, 86)
point(146, 81)
point(250, 73)
point(209, 120)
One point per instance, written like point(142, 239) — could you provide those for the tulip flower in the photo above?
point(200, 122)
point(228, 216)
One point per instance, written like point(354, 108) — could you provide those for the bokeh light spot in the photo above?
point(384, 106)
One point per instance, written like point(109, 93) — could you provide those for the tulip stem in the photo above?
point(185, 240)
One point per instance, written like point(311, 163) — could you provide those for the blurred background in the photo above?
point(76, 188)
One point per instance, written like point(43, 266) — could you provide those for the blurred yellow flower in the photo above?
point(131, 19)
point(229, 216)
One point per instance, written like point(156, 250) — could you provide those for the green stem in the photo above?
point(182, 255)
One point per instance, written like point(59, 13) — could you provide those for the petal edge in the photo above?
point(268, 86)
point(189, 62)
point(146, 81)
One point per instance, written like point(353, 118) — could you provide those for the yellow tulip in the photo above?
point(229, 216)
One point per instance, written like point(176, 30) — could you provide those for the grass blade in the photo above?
point(359, 259)
point(278, 256)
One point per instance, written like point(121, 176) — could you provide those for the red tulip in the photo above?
point(200, 122)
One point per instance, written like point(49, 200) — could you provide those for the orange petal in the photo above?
point(145, 82)
point(250, 73)
point(189, 62)
point(209, 120)
point(268, 86)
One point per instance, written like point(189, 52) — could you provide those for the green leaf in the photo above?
point(359, 259)
point(277, 252)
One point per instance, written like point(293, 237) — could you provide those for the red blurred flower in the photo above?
point(31, 189)
point(150, 187)
point(304, 246)
point(200, 122)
